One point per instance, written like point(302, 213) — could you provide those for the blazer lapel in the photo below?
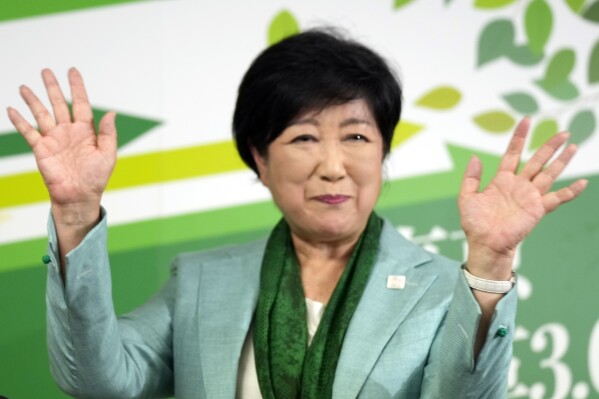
point(228, 294)
point(381, 310)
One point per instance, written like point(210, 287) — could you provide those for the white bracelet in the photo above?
point(482, 284)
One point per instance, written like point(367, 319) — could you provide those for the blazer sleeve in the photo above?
point(92, 353)
point(451, 371)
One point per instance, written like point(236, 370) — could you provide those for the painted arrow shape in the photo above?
point(130, 127)
point(10, 10)
point(437, 185)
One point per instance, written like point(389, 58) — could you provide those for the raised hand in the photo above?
point(74, 161)
point(498, 218)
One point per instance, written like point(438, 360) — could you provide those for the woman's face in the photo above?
point(325, 172)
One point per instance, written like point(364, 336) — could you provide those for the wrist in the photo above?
point(489, 264)
point(78, 216)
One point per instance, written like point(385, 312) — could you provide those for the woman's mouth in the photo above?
point(333, 199)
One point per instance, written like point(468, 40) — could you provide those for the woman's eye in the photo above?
point(357, 137)
point(304, 138)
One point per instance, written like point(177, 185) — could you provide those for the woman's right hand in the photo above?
point(74, 161)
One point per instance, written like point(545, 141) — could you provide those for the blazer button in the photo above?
point(501, 331)
point(46, 259)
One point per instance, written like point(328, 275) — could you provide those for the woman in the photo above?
point(335, 303)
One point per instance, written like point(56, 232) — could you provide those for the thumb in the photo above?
point(107, 136)
point(471, 180)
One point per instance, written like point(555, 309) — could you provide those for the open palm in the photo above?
point(74, 161)
point(507, 210)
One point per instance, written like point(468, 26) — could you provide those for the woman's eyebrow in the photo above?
point(305, 121)
point(354, 121)
point(344, 123)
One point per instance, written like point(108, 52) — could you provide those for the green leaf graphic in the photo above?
point(575, 5)
point(523, 55)
point(496, 39)
point(491, 4)
point(582, 126)
point(560, 67)
point(542, 132)
point(564, 91)
point(594, 64)
point(538, 23)
point(522, 102)
point(592, 13)
point(495, 121)
point(556, 82)
point(403, 131)
point(442, 97)
point(282, 26)
point(400, 3)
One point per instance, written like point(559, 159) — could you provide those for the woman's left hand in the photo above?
point(498, 218)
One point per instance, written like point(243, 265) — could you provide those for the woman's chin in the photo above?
point(334, 231)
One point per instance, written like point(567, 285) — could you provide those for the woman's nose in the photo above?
point(331, 167)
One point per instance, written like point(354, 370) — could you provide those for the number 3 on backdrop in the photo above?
point(562, 375)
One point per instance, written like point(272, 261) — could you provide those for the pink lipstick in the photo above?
point(333, 199)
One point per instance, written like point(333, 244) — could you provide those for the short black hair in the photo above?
point(310, 71)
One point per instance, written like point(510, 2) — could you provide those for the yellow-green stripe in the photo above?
point(137, 170)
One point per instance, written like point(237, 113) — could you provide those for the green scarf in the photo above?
point(287, 368)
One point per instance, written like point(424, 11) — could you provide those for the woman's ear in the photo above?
point(261, 165)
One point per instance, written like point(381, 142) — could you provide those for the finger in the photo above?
point(544, 154)
point(44, 119)
point(107, 136)
point(30, 135)
point(545, 179)
point(511, 158)
point(554, 199)
point(82, 110)
point(471, 180)
point(59, 104)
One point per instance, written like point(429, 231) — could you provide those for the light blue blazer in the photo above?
point(415, 342)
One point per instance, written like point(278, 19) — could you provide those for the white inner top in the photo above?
point(247, 377)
